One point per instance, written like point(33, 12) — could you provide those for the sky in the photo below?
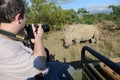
point(92, 6)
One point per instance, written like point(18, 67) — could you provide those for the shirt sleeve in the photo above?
point(21, 62)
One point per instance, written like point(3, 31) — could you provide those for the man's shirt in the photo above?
point(17, 61)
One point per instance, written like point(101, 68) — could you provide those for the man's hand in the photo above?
point(38, 33)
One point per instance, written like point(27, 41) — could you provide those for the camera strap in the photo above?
point(13, 36)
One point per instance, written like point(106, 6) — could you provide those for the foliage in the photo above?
point(99, 17)
point(116, 10)
point(72, 17)
point(56, 17)
point(115, 15)
point(82, 11)
point(88, 19)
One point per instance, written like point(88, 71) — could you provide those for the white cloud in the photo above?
point(99, 8)
point(60, 1)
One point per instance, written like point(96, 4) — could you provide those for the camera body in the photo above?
point(30, 34)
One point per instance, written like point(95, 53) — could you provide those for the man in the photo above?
point(17, 61)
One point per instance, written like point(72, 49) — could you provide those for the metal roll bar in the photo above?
point(102, 58)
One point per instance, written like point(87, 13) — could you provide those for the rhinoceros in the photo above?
point(79, 33)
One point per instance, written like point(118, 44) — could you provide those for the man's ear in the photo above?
point(17, 18)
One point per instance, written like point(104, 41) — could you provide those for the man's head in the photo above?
point(12, 15)
point(9, 9)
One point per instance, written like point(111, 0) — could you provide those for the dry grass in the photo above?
point(54, 44)
point(109, 45)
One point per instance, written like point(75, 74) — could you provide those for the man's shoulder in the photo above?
point(9, 45)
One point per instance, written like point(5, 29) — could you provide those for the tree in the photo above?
point(42, 12)
point(116, 12)
point(55, 16)
point(72, 16)
point(82, 11)
point(116, 9)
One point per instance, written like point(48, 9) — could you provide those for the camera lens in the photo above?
point(30, 33)
point(46, 27)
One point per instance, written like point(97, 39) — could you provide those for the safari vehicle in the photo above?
point(99, 68)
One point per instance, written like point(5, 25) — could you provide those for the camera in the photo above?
point(29, 31)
